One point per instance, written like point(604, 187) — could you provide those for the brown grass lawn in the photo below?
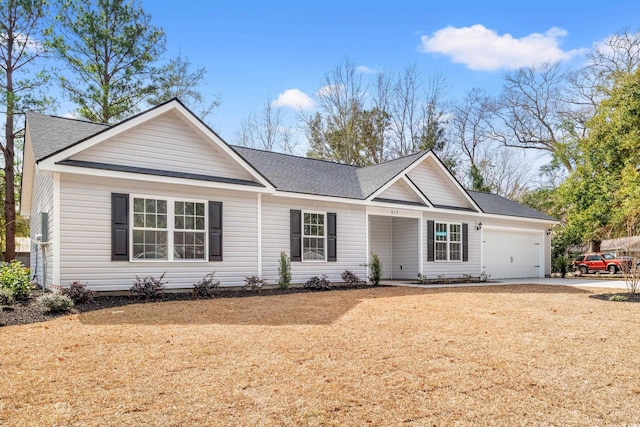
point(516, 355)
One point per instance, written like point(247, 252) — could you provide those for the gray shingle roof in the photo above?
point(51, 134)
point(495, 204)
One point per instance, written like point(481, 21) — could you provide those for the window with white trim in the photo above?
point(448, 242)
point(160, 224)
point(314, 237)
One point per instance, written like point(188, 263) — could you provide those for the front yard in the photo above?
point(500, 355)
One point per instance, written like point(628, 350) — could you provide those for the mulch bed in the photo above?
point(618, 297)
point(25, 312)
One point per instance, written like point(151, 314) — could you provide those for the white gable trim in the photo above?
point(416, 190)
point(420, 160)
point(135, 121)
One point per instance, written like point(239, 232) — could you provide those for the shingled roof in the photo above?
point(52, 134)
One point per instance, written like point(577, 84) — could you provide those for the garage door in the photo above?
point(511, 254)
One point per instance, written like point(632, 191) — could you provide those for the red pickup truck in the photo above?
point(600, 262)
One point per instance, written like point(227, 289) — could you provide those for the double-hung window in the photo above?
point(314, 237)
point(448, 242)
point(168, 229)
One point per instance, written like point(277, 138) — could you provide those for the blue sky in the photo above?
point(258, 49)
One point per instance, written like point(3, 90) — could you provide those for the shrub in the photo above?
point(54, 302)
point(375, 266)
point(6, 296)
point(350, 278)
point(284, 271)
point(561, 263)
point(484, 277)
point(318, 283)
point(149, 287)
point(254, 282)
point(15, 277)
point(78, 292)
point(620, 298)
point(207, 287)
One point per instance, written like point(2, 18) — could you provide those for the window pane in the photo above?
point(150, 221)
point(162, 221)
point(179, 208)
point(441, 251)
point(455, 253)
point(441, 232)
point(313, 249)
point(200, 223)
point(200, 209)
point(188, 208)
point(189, 245)
point(150, 205)
point(138, 205)
point(138, 220)
point(162, 206)
point(179, 223)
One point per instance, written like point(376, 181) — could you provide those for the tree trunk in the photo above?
point(9, 156)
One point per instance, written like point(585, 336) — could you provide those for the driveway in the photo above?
point(577, 282)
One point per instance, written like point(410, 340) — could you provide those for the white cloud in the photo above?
point(294, 98)
point(71, 115)
point(480, 48)
point(365, 70)
point(328, 90)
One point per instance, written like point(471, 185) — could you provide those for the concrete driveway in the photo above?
point(577, 282)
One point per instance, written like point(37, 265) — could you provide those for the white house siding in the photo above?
point(438, 187)
point(380, 238)
point(276, 237)
point(165, 143)
point(433, 269)
point(524, 224)
point(400, 191)
point(42, 201)
point(86, 235)
point(405, 248)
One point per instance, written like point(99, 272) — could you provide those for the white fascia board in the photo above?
point(28, 171)
point(127, 125)
point(427, 209)
point(78, 170)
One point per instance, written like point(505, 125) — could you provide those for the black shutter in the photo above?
point(332, 249)
point(465, 242)
point(215, 231)
point(119, 227)
point(295, 235)
point(430, 240)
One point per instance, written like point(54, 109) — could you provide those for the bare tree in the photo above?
point(471, 123)
point(534, 113)
point(266, 130)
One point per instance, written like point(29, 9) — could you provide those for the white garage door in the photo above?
point(511, 254)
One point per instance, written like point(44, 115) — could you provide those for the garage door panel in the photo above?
point(512, 254)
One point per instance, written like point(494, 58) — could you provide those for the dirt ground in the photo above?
point(504, 355)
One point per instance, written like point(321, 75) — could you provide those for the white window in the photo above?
point(314, 236)
point(168, 229)
point(448, 242)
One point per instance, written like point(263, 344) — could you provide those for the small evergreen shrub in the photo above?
point(148, 287)
point(318, 283)
point(15, 277)
point(254, 283)
point(78, 292)
point(207, 287)
point(54, 303)
point(375, 266)
point(619, 298)
point(350, 278)
point(6, 296)
point(284, 271)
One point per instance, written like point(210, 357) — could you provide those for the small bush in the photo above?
point(318, 283)
point(254, 283)
point(621, 298)
point(6, 296)
point(484, 277)
point(561, 264)
point(78, 292)
point(149, 287)
point(54, 303)
point(350, 278)
point(15, 277)
point(375, 266)
point(207, 287)
point(284, 271)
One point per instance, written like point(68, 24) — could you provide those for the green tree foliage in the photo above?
point(21, 27)
point(178, 79)
point(601, 197)
point(109, 47)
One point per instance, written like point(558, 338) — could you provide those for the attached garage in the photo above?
point(513, 253)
